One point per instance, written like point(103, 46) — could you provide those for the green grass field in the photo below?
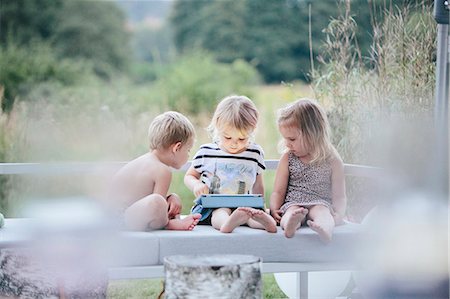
point(151, 288)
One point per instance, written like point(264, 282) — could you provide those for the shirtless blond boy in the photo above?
point(140, 188)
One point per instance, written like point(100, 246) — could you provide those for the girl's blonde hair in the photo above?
point(169, 128)
point(310, 119)
point(234, 111)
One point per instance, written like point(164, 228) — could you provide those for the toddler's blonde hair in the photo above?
point(169, 128)
point(237, 112)
point(310, 119)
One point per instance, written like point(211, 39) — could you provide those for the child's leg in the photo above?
point(237, 218)
point(219, 217)
point(261, 220)
point(321, 221)
point(149, 212)
point(292, 220)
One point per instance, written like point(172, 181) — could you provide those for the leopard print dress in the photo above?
point(309, 184)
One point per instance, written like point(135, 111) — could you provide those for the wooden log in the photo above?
point(212, 276)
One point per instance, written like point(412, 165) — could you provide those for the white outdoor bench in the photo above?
point(145, 251)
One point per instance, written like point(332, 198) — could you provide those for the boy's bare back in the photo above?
point(137, 178)
point(139, 190)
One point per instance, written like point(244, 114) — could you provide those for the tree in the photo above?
point(277, 39)
point(44, 40)
point(93, 30)
point(22, 21)
point(188, 19)
point(272, 35)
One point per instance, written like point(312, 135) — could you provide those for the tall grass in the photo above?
point(396, 80)
point(5, 140)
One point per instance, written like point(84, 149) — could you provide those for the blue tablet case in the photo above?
point(230, 200)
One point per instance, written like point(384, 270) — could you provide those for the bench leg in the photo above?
point(302, 285)
point(293, 284)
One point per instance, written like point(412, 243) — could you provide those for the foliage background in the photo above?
point(81, 80)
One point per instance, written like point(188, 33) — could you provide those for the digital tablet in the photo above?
point(231, 200)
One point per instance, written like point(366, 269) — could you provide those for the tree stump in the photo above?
point(24, 275)
point(213, 276)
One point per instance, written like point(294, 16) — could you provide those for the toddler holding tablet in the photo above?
point(231, 164)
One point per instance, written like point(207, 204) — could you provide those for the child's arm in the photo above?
point(162, 180)
point(162, 184)
point(279, 188)
point(174, 202)
point(339, 198)
point(192, 181)
point(258, 186)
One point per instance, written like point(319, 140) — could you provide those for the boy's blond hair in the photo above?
point(310, 119)
point(235, 111)
point(169, 128)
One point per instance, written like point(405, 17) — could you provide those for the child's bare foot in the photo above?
point(265, 219)
point(187, 223)
point(248, 210)
point(294, 220)
point(324, 234)
point(237, 218)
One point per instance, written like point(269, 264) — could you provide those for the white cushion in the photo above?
point(150, 248)
point(305, 246)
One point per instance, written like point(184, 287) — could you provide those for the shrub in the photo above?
point(195, 82)
point(24, 66)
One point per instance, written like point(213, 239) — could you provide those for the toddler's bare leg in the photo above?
point(292, 220)
point(219, 217)
point(237, 218)
point(187, 223)
point(321, 222)
point(262, 220)
point(149, 212)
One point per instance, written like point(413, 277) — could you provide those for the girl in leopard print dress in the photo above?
point(309, 182)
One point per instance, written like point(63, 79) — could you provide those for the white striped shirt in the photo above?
point(226, 173)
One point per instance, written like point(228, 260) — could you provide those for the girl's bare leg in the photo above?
point(261, 220)
point(292, 220)
point(237, 218)
point(322, 222)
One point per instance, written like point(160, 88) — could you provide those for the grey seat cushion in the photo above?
point(112, 247)
point(135, 249)
point(150, 248)
point(305, 246)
